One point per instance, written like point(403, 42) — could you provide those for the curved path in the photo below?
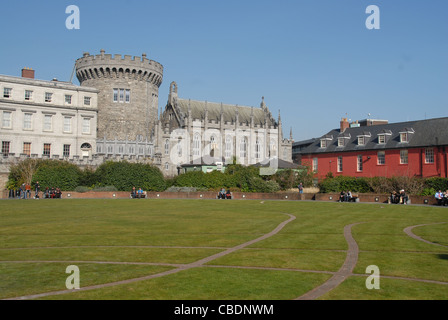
point(344, 272)
point(195, 264)
point(409, 232)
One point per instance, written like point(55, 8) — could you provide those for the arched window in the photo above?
point(179, 147)
point(228, 147)
point(273, 148)
point(243, 148)
point(213, 145)
point(197, 145)
point(257, 149)
point(167, 166)
point(167, 147)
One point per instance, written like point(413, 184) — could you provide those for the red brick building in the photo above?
point(372, 148)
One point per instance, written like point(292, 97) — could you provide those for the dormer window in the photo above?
point(363, 138)
point(361, 141)
point(343, 140)
point(405, 135)
point(325, 141)
point(383, 136)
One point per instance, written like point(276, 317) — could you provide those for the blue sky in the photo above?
point(314, 60)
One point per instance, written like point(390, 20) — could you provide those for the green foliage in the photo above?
point(57, 174)
point(437, 183)
point(236, 178)
point(124, 175)
point(342, 183)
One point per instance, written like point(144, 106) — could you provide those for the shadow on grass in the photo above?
point(443, 256)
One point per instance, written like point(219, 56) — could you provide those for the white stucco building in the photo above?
point(51, 119)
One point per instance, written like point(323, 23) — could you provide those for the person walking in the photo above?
point(36, 189)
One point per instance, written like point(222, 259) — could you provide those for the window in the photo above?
point(403, 156)
point(341, 142)
point(429, 155)
point(66, 151)
point(48, 97)
point(340, 164)
point(167, 166)
point(213, 146)
point(5, 147)
point(323, 143)
point(228, 147)
point(128, 96)
point(243, 148)
point(27, 121)
point(27, 148)
point(273, 148)
point(115, 95)
point(179, 147)
point(110, 149)
point(28, 95)
point(404, 137)
point(68, 99)
point(67, 124)
point(7, 93)
point(381, 139)
point(167, 147)
point(196, 145)
point(86, 125)
point(257, 149)
point(381, 158)
point(87, 101)
point(6, 119)
point(47, 149)
point(121, 95)
point(359, 166)
point(361, 141)
point(48, 122)
point(315, 162)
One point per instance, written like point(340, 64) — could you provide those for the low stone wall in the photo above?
point(379, 198)
point(364, 197)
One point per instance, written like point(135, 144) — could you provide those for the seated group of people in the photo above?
point(442, 198)
point(52, 193)
point(223, 194)
point(346, 196)
point(137, 194)
point(398, 197)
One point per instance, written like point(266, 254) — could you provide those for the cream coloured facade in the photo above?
point(47, 119)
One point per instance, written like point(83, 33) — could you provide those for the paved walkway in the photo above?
point(337, 277)
point(195, 264)
point(409, 232)
point(344, 272)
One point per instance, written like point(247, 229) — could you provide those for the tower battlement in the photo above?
point(118, 66)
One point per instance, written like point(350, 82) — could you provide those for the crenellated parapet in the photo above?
point(118, 67)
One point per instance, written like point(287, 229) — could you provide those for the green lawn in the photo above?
point(114, 240)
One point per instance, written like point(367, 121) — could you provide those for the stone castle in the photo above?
point(128, 125)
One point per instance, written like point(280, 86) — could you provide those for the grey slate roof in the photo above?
point(431, 132)
point(229, 111)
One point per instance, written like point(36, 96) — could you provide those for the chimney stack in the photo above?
point(28, 73)
point(344, 124)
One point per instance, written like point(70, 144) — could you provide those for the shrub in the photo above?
point(124, 175)
point(82, 189)
point(57, 174)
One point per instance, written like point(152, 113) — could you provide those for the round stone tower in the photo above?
point(129, 92)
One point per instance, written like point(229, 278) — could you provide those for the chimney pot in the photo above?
point(344, 124)
point(28, 73)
